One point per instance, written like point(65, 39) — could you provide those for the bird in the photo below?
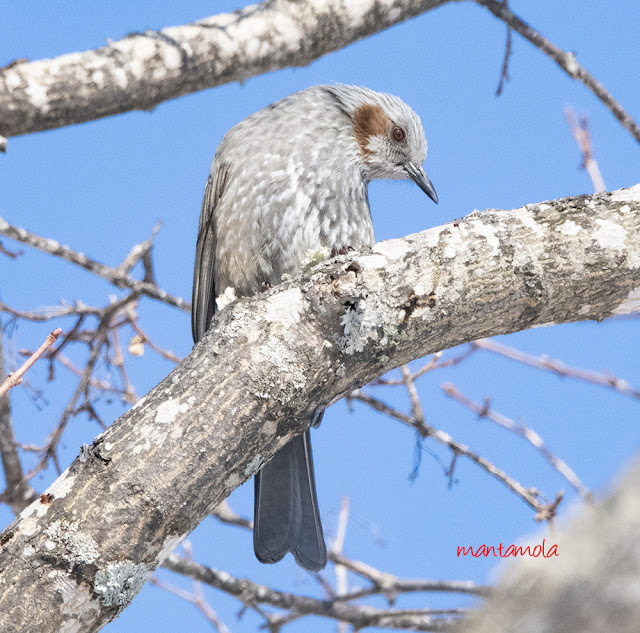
point(288, 181)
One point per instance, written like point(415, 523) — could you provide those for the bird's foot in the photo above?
point(342, 250)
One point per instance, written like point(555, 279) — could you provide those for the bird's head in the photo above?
point(389, 135)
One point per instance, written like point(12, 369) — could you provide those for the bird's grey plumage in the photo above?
point(285, 182)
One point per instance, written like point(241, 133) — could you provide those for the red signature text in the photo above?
point(503, 551)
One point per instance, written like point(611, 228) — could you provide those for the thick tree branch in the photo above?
point(79, 555)
point(145, 69)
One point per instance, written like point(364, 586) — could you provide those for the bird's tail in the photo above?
point(286, 517)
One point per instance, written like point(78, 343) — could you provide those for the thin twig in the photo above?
point(566, 61)
point(342, 586)
point(359, 616)
point(558, 367)
point(8, 253)
point(504, 73)
point(112, 275)
point(528, 495)
point(580, 132)
point(484, 411)
point(18, 492)
point(15, 378)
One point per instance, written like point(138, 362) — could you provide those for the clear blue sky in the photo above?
point(101, 186)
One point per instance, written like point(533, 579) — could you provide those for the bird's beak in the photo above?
point(418, 175)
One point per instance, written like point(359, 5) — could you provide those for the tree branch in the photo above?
point(18, 493)
point(566, 61)
point(145, 69)
point(119, 276)
point(270, 361)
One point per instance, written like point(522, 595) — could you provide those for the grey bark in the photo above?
point(74, 560)
point(145, 69)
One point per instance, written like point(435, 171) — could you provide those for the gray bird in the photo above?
point(286, 182)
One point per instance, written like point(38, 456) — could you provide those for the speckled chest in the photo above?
point(295, 185)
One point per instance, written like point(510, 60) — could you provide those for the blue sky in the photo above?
point(100, 187)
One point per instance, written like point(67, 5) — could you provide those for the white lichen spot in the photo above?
point(227, 297)
point(172, 58)
point(630, 194)
point(585, 309)
point(630, 304)
point(456, 244)
point(118, 583)
point(280, 356)
point(269, 428)
point(49, 545)
point(176, 433)
point(37, 94)
point(569, 227)
point(253, 466)
point(390, 249)
point(360, 324)
point(233, 481)
point(609, 234)
point(28, 551)
point(372, 262)
point(147, 432)
point(432, 236)
point(528, 221)
point(284, 309)
point(29, 526)
point(490, 234)
point(62, 485)
point(169, 410)
point(76, 546)
point(313, 257)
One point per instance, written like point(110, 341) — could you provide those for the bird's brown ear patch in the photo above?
point(369, 120)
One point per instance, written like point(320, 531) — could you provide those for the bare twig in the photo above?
point(504, 73)
point(360, 616)
point(342, 586)
point(558, 367)
point(383, 582)
point(196, 600)
point(15, 378)
point(114, 276)
point(529, 495)
point(484, 411)
point(18, 493)
point(566, 61)
point(580, 131)
point(7, 252)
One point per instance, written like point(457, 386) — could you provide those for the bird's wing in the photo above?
point(203, 301)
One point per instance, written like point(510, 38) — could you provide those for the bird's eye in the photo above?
point(398, 134)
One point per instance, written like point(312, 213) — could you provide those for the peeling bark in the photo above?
point(75, 558)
